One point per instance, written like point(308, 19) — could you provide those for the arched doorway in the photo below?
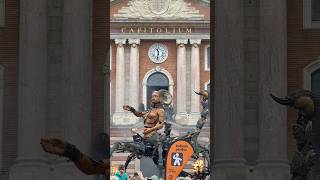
point(156, 81)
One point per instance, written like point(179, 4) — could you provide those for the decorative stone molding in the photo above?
point(120, 42)
point(134, 41)
point(127, 23)
point(206, 85)
point(195, 42)
point(181, 42)
point(307, 71)
point(168, 9)
point(160, 36)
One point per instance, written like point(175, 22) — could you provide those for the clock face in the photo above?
point(158, 53)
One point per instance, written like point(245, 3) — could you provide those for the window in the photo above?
point(110, 53)
point(207, 86)
point(2, 13)
point(315, 10)
point(311, 13)
point(315, 82)
point(207, 59)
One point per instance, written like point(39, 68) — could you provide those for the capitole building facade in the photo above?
point(52, 83)
point(179, 32)
point(158, 45)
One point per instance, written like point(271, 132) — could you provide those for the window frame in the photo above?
point(307, 73)
point(206, 68)
point(308, 23)
point(110, 54)
point(206, 85)
point(2, 13)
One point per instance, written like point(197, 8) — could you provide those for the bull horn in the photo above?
point(283, 101)
point(199, 93)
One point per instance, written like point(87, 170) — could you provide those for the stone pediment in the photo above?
point(160, 9)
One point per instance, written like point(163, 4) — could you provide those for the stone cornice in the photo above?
point(202, 36)
point(126, 23)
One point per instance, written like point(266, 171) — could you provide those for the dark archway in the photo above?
point(156, 81)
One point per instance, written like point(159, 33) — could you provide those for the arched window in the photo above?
point(312, 82)
point(207, 59)
point(315, 82)
point(155, 75)
point(207, 86)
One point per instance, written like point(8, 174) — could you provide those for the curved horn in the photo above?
point(166, 96)
point(283, 101)
point(199, 93)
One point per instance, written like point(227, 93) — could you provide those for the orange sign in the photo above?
point(178, 156)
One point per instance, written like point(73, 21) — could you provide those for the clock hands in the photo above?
point(158, 54)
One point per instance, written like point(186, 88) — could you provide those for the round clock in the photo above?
point(158, 53)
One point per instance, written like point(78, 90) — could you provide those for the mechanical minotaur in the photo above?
point(305, 131)
point(149, 144)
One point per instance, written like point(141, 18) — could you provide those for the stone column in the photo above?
point(31, 162)
point(1, 114)
point(195, 80)
point(181, 81)
point(76, 83)
point(120, 83)
point(272, 162)
point(134, 73)
point(134, 96)
point(229, 99)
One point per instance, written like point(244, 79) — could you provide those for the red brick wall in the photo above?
point(146, 65)
point(9, 38)
point(113, 75)
point(115, 6)
point(100, 44)
point(303, 48)
point(170, 64)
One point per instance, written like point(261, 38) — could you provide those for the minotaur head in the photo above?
point(301, 100)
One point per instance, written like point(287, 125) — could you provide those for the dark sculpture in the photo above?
point(308, 112)
point(139, 147)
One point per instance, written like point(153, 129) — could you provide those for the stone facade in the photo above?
point(302, 50)
point(184, 67)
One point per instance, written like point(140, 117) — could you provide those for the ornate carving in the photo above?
point(195, 42)
point(134, 41)
point(175, 9)
point(120, 42)
point(182, 41)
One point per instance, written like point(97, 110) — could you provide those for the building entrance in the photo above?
point(156, 81)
